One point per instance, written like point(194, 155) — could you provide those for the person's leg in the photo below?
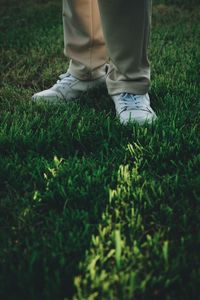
point(126, 27)
point(85, 46)
point(83, 39)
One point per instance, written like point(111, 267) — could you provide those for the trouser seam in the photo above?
point(91, 35)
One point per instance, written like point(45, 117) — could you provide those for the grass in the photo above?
point(91, 209)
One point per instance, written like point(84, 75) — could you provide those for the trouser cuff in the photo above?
point(82, 72)
point(130, 87)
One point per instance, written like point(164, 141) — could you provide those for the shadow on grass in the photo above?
point(56, 168)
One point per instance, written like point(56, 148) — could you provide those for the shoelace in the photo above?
point(132, 102)
point(64, 78)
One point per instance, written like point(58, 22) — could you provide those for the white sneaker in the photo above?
point(67, 88)
point(135, 108)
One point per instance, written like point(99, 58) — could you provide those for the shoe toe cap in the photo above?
point(140, 117)
point(47, 96)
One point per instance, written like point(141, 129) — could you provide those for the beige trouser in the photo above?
point(124, 40)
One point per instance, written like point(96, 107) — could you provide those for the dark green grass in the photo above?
point(83, 199)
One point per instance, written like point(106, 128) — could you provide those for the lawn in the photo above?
point(91, 209)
